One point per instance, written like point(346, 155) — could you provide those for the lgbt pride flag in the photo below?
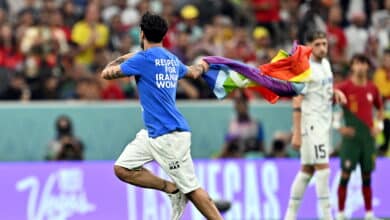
point(283, 76)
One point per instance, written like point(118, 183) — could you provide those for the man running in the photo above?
point(167, 137)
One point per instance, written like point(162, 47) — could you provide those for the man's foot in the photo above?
point(370, 216)
point(340, 216)
point(178, 202)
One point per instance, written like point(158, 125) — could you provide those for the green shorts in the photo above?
point(358, 150)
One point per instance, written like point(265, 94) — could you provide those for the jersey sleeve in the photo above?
point(305, 89)
point(183, 69)
point(378, 103)
point(133, 65)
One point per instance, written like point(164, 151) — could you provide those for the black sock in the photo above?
point(176, 191)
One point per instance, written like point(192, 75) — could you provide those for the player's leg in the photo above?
point(322, 188)
point(302, 178)
point(128, 166)
point(297, 190)
point(202, 201)
point(349, 156)
point(144, 178)
point(367, 164)
point(172, 152)
point(342, 193)
point(321, 161)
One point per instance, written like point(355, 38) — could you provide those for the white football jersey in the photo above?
point(318, 94)
point(316, 117)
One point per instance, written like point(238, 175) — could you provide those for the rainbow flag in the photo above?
point(284, 76)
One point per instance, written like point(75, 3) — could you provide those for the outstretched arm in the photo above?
point(196, 70)
point(113, 70)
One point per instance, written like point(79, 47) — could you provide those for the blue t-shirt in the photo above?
point(157, 72)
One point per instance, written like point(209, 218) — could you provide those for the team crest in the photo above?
point(369, 97)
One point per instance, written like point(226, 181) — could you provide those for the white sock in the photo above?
point(297, 189)
point(322, 188)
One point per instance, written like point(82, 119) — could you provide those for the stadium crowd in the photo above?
point(53, 49)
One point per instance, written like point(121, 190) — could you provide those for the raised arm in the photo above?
point(196, 70)
point(113, 70)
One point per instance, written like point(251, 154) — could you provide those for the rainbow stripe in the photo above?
point(284, 76)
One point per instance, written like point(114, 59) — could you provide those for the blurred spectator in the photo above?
point(168, 14)
point(10, 57)
point(245, 136)
point(240, 47)
point(111, 90)
point(72, 74)
point(372, 50)
point(189, 15)
point(279, 145)
point(336, 38)
point(51, 39)
point(182, 46)
point(29, 5)
point(69, 13)
point(65, 146)
point(17, 89)
point(60, 33)
point(357, 34)
point(382, 76)
point(263, 49)
point(26, 20)
point(381, 25)
point(88, 89)
point(3, 16)
point(117, 32)
point(89, 34)
point(267, 15)
point(311, 18)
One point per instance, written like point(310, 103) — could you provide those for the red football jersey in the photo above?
point(361, 99)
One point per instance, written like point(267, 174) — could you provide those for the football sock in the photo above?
point(342, 193)
point(322, 189)
point(297, 189)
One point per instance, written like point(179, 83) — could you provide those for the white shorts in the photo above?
point(172, 153)
point(315, 144)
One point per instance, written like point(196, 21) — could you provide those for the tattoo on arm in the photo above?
point(117, 61)
point(112, 72)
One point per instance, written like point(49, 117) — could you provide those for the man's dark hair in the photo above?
point(361, 58)
point(314, 35)
point(154, 27)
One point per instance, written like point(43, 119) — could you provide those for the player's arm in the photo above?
point(113, 70)
point(296, 138)
point(196, 70)
point(339, 97)
point(380, 113)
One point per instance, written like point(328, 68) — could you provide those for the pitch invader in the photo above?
point(312, 117)
point(358, 144)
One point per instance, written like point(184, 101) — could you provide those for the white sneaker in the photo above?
point(370, 216)
point(178, 202)
point(340, 216)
